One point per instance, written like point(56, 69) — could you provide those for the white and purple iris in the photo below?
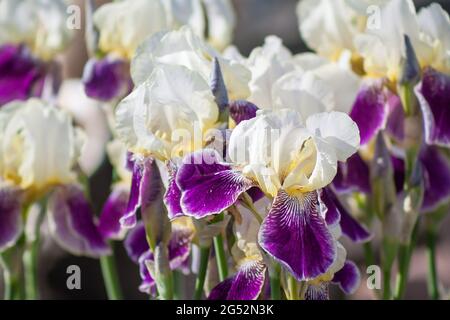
point(290, 161)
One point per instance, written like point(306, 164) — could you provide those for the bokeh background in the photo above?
point(255, 20)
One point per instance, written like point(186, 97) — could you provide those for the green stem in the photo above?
point(178, 287)
point(387, 284)
point(110, 277)
point(293, 288)
point(275, 284)
point(30, 258)
point(369, 256)
point(200, 282)
point(404, 260)
point(220, 257)
point(11, 282)
point(432, 278)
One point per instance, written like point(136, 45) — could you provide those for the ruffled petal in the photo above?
point(208, 186)
point(10, 217)
point(348, 277)
point(434, 98)
point(72, 222)
point(246, 284)
point(296, 235)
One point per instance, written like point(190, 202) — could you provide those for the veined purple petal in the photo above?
point(317, 292)
point(436, 171)
point(208, 186)
point(395, 125)
point(434, 99)
point(21, 75)
point(352, 175)
point(106, 79)
point(10, 217)
point(246, 284)
point(73, 224)
point(114, 208)
point(369, 111)
point(296, 235)
point(172, 198)
point(241, 110)
point(348, 277)
point(136, 242)
point(145, 186)
point(351, 227)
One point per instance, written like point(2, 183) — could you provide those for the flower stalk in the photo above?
point(110, 277)
point(432, 277)
point(220, 257)
point(201, 276)
point(275, 283)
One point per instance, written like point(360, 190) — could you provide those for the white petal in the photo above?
point(221, 22)
point(302, 92)
point(123, 25)
point(41, 24)
point(173, 102)
point(336, 129)
point(39, 146)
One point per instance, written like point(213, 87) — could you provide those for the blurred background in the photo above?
point(255, 20)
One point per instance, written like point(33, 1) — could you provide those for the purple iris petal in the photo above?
point(148, 284)
point(348, 277)
point(114, 208)
point(369, 111)
point(398, 164)
point(172, 197)
point(352, 175)
point(145, 185)
point(395, 125)
point(349, 225)
point(179, 246)
point(10, 217)
point(434, 98)
point(296, 235)
point(136, 242)
point(73, 224)
point(246, 284)
point(436, 170)
point(138, 250)
point(241, 110)
point(317, 292)
point(255, 193)
point(326, 200)
point(21, 75)
point(106, 79)
point(208, 186)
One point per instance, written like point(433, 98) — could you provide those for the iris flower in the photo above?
point(39, 149)
point(290, 171)
point(32, 34)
